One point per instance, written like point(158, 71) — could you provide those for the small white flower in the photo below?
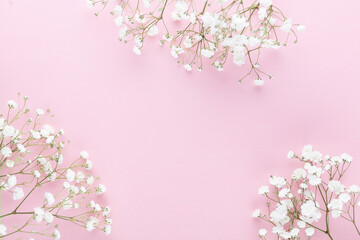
point(8, 131)
point(39, 214)
point(266, 3)
point(6, 151)
point(56, 234)
point(10, 163)
point(259, 82)
point(11, 181)
point(39, 112)
point(290, 154)
point(118, 10)
point(122, 32)
point(100, 189)
point(48, 217)
point(154, 30)
point(49, 197)
point(207, 53)
point(2, 229)
point(21, 148)
point(263, 190)
point(188, 67)
point(88, 165)
point(90, 180)
point(12, 104)
point(70, 175)
point(119, 21)
point(309, 232)
point(301, 28)
point(256, 213)
point(262, 232)
point(286, 26)
point(18, 193)
point(137, 50)
point(107, 229)
point(36, 174)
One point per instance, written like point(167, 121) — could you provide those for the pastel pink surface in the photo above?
point(183, 154)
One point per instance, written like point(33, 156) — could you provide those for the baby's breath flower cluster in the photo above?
point(46, 190)
point(217, 30)
point(304, 204)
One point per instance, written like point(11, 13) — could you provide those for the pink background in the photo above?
point(183, 154)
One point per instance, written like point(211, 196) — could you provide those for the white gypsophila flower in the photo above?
point(286, 25)
point(79, 177)
point(344, 197)
point(238, 22)
point(336, 160)
point(6, 152)
point(37, 174)
point(301, 224)
point(12, 104)
point(280, 215)
point(154, 30)
point(336, 187)
point(39, 214)
point(11, 181)
point(101, 189)
point(301, 28)
point(70, 175)
point(10, 163)
point(18, 193)
point(207, 53)
point(336, 206)
point(188, 67)
point(309, 232)
point(90, 180)
point(21, 148)
point(39, 111)
point(49, 197)
point(256, 213)
point(47, 130)
point(258, 82)
point(106, 211)
point(88, 165)
point(263, 190)
point(298, 174)
point(2, 229)
point(284, 192)
point(347, 158)
point(266, 3)
point(91, 223)
point(8, 131)
point(306, 152)
point(35, 134)
point(262, 232)
point(310, 212)
point(353, 189)
point(123, 32)
point(118, 10)
point(262, 13)
point(84, 155)
point(107, 229)
point(48, 217)
point(278, 182)
point(137, 50)
point(56, 234)
point(290, 154)
point(119, 20)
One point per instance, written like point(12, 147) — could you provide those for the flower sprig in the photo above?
point(32, 166)
point(314, 194)
point(215, 30)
